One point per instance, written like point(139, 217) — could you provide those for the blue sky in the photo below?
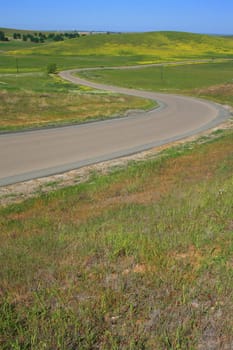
point(200, 16)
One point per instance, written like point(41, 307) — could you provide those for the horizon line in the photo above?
point(114, 31)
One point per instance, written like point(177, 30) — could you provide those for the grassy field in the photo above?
point(36, 99)
point(115, 50)
point(212, 80)
point(139, 259)
point(159, 45)
point(14, 45)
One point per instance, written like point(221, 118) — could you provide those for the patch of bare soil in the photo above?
point(222, 89)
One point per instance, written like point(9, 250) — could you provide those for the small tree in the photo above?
point(52, 68)
point(3, 37)
point(51, 35)
point(35, 39)
point(58, 37)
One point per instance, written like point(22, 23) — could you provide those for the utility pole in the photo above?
point(162, 72)
point(17, 66)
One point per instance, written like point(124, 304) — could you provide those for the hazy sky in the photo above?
point(201, 16)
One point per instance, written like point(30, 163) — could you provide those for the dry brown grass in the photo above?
point(221, 93)
point(221, 89)
point(28, 109)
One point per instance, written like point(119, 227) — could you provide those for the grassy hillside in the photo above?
point(11, 31)
point(114, 50)
point(159, 45)
point(139, 259)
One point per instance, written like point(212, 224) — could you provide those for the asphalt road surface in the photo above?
point(34, 154)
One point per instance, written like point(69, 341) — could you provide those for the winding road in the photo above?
point(39, 153)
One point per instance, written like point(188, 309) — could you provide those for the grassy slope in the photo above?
point(118, 49)
point(140, 259)
point(15, 45)
point(11, 31)
point(160, 45)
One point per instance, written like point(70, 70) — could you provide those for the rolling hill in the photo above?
point(156, 45)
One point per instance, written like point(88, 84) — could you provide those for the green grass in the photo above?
point(32, 63)
point(159, 45)
point(210, 80)
point(167, 78)
point(15, 45)
point(139, 259)
point(37, 82)
point(116, 50)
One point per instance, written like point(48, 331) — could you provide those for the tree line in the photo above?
point(3, 37)
point(39, 37)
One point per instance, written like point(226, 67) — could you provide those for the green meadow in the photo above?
point(140, 258)
point(115, 49)
point(14, 45)
point(159, 45)
point(167, 77)
point(213, 80)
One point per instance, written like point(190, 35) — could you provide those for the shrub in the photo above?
point(52, 68)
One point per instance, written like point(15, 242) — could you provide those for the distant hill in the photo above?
point(10, 31)
point(159, 45)
point(35, 36)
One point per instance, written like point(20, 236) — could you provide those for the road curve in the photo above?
point(38, 153)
